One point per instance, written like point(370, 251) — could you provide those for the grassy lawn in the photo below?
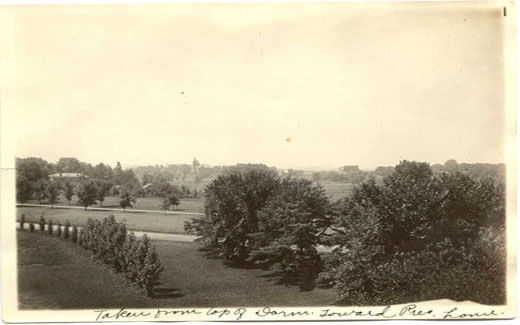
point(54, 274)
point(142, 203)
point(145, 221)
point(337, 190)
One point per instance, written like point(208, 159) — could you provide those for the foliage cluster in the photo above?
point(32, 181)
point(411, 235)
point(136, 259)
point(253, 216)
point(419, 235)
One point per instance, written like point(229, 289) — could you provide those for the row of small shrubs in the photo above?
point(112, 244)
point(66, 230)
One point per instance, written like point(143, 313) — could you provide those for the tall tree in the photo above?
point(40, 190)
point(292, 223)
point(169, 202)
point(33, 169)
point(126, 198)
point(53, 192)
point(103, 188)
point(24, 189)
point(102, 171)
point(68, 191)
point(68, 165)
point(87, 193)
point(232, 205)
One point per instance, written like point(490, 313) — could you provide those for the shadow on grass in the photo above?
point(166, 293)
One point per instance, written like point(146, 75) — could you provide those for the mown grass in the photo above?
point(55, 274)
point(145, 221)
point(337, 190)
point(142, 203)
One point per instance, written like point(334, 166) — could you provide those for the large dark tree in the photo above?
point(53, 192)
point(68, 191)
point(68, 165)
point(291, 226)
point(23, 189)
point(103, 188)
point(102, 171)
point(126, 197)
point(419, 236)
point(33, 169)
point(87, 193)
point(232, 205)
point(40, 190)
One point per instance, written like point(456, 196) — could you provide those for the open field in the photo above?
point(55, 274)
point(156, 222)
point(200, 186)
point(142, 203)
point(337, 190)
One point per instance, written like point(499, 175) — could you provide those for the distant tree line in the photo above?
point(414, 234)
point(100, 181)
point(354, 175)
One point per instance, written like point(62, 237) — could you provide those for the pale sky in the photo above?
point(348, 84)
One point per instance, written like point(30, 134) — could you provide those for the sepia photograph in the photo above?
point(258, 161)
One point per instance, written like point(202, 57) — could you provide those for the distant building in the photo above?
point(352, 169)
point(67, 176)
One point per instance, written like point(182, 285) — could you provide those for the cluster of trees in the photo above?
point(170, 173)
point(194, 172)
point(88, 192)
point(32, 179)
point(419, 235)
point(178, 172)
point(413, 235)
point(160, 186)
point(136, 259)
point(479, 170)
point(334, 176)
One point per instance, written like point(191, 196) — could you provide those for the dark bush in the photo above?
point(80, 237)
point(74, 234)
point(66, 230)
point(59, 230)
point(22, 221)
point(41, 223)
point(420, 236)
